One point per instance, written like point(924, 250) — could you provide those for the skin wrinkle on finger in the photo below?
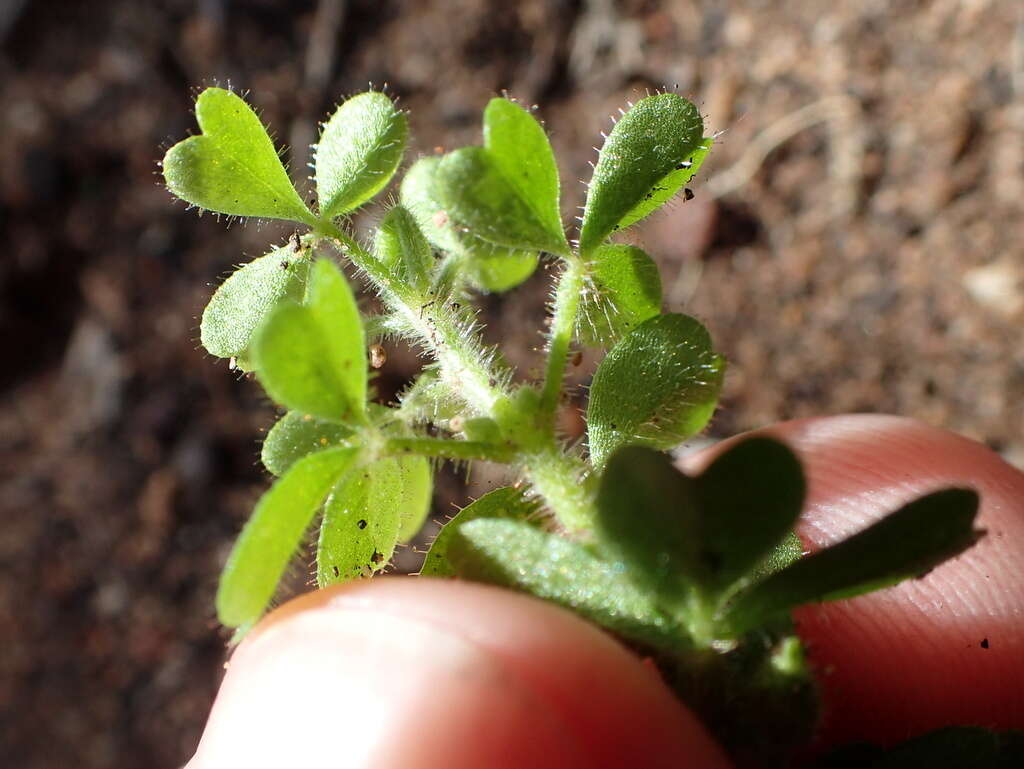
point(909, 658)
point(585, 700)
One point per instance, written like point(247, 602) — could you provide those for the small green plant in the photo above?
point(699, 572)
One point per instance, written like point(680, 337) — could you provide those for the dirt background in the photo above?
point(855, 245)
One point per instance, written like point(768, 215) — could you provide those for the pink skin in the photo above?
point(425, 673)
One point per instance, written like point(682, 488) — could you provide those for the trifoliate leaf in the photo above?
point(667, 187)
point(359, 150)
point(648, 143)
point(243, 301)
point(519, 148)
point(401, 248)
point(657, 387)
point(624, 290)
point(905, 544)
point(475, 195)
point(232, 167)
point(517, 555)
point(362, 518)
point(312, 358)
point(273, 533)
point(297, 434)
point(507, 502)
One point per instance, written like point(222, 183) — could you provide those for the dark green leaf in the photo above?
point(273, 533)
point(232, 167)
point(905, 544)
point(667, 187)
point(362, 518)
point(507, 502)
point(359, 150)
point(749, 499)
point(657, 387)
point(517, 555)
point(312, 358)
point(404, 252)
point(648, 518)
point(624, 291)
point(519, 148)
point(650, 141)
point(297, 434)
point(243, 301)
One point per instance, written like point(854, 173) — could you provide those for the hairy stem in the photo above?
point(450, 449)
point(563, 324)
point(563, 481)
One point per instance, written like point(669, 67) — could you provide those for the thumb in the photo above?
point(421, 673)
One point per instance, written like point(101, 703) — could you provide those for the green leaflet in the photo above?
point(517, 555)
point(360, 148)
point(243, 301)
point(417, 491)
point(312, 358)
point(518, 147)
point(667, 187)
point(232, 167)
point(907, 543)
point(403, 250)
point(273, 533)
point(361, 522)
point(624, 290)
point(657, 387)
point(297, 434)
point(507, 502)
point(647, 144)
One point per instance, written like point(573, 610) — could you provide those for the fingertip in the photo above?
point(429, 673)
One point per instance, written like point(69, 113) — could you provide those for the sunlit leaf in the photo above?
point(624, 290)
point(232, 167)
point(666, 188)
point(403, 250)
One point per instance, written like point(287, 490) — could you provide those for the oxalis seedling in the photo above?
point(698, 572)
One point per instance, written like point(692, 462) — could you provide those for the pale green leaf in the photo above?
point(232, 167)
point(334, 305)
point(297, 434)
point(506, 502)
point(519, 148)
point(403, 250)
point(417, 491)
point(361, 522)
point(624, 290)
point(494, 269)
point(657, 387)
point(477, 198)
point(516, 555)
point(359, 150)
point(647, 144)
point(243, 301)
point(273, 534)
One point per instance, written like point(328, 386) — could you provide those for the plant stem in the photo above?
point(563, 481)
point(563, 324)
point(450, 449)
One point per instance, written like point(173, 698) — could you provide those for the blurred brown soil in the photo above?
point(855, 244)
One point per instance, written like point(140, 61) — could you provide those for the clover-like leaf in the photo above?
point(654, 138)
point(624, 290)
point(297, 434)
point(517, 555)
point(667, 187)
point(312, 358)
point(517, 145)
point(657, 387)
point(486, 266)
point(359, 150)
point(362, 518)
point(507, 502)
point(232, 167)
point(908, 543)
point(403, 250)
point(472, 191)
point(273, 533)
point(243, 301)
